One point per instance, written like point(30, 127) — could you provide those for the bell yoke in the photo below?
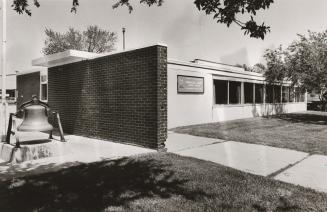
point(35, 118)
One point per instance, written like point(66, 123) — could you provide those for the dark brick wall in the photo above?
point(27, 86)
point(120, 97)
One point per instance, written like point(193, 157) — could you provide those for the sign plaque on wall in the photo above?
point(190, 84)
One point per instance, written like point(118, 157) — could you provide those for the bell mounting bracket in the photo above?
point(35, 101)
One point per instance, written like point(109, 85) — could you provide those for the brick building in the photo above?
point(134, 96)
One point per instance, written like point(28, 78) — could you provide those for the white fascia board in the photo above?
point(213, 69)
point(231, 72)
point(61, 58)
point(132, 49)
point(216, 64)
point(33, 70)
point(71, 56)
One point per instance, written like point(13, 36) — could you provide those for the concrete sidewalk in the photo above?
point(75, 151)
point(282, 164)
point(311, 172)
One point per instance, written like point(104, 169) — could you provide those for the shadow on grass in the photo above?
point(307, 118)
point(94, 187)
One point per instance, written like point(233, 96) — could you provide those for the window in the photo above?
point(269, 94)
point(292, 94)
point(44, 91)
point(258, 93)
point(277, 94)
point(234, 92)
point(285, 94)
point(221, 90)
point(248, 93)
point(230, 92)
point(299, 95)
point(302, 97)
point(227, 92)
point(44, 87)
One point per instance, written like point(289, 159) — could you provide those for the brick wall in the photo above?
point(27, 86)
point(120, 97)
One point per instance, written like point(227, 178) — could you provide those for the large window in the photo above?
point(221, 91)
point(299, 95)
point(248, 92)
point(259, 93)
point(277, 94)
point(235, 92)
point(292, 94)
point(227, 92)
point(285, 94)
point(269, 94)
point(273, 94)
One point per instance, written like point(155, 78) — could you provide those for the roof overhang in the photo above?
point(33, 70)
point(62, 58)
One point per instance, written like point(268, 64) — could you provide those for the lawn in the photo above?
point(154, 182)
point(299, 131)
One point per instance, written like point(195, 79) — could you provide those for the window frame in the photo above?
point(42, 83)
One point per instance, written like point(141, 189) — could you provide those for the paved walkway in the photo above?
point(282, 164)
point(77, 150)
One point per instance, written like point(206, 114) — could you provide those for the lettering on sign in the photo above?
point(190, 84)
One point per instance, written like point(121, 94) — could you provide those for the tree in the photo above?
point(304, 63)
point(276, 67)
point(258, 67)
point(245, 67)
point(223, 11)
point(93, 39)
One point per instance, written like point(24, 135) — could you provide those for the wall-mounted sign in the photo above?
point(190, 84)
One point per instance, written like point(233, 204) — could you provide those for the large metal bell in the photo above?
point(35, 118)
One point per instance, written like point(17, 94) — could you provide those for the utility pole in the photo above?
point(4, 104)
point(124, 30)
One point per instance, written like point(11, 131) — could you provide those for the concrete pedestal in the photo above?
point(26, 152)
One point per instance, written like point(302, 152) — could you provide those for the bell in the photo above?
point(35, 119)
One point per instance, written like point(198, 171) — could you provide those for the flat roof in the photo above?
point(62, 58)
point(214, 63)
point(71, 56)
point(33, 70)
point(218, 70)
point(214, 67)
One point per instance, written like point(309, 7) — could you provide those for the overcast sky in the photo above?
point(188, 33)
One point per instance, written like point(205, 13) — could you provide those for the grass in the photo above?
point(305, 132)
point(154, 182)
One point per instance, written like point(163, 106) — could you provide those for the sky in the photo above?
point(188, 32)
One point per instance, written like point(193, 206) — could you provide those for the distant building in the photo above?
point(10, 88)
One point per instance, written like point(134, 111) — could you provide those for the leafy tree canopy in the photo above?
point(258, 67)
point(304, 63)
point(223, 11)
point(93, 39)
